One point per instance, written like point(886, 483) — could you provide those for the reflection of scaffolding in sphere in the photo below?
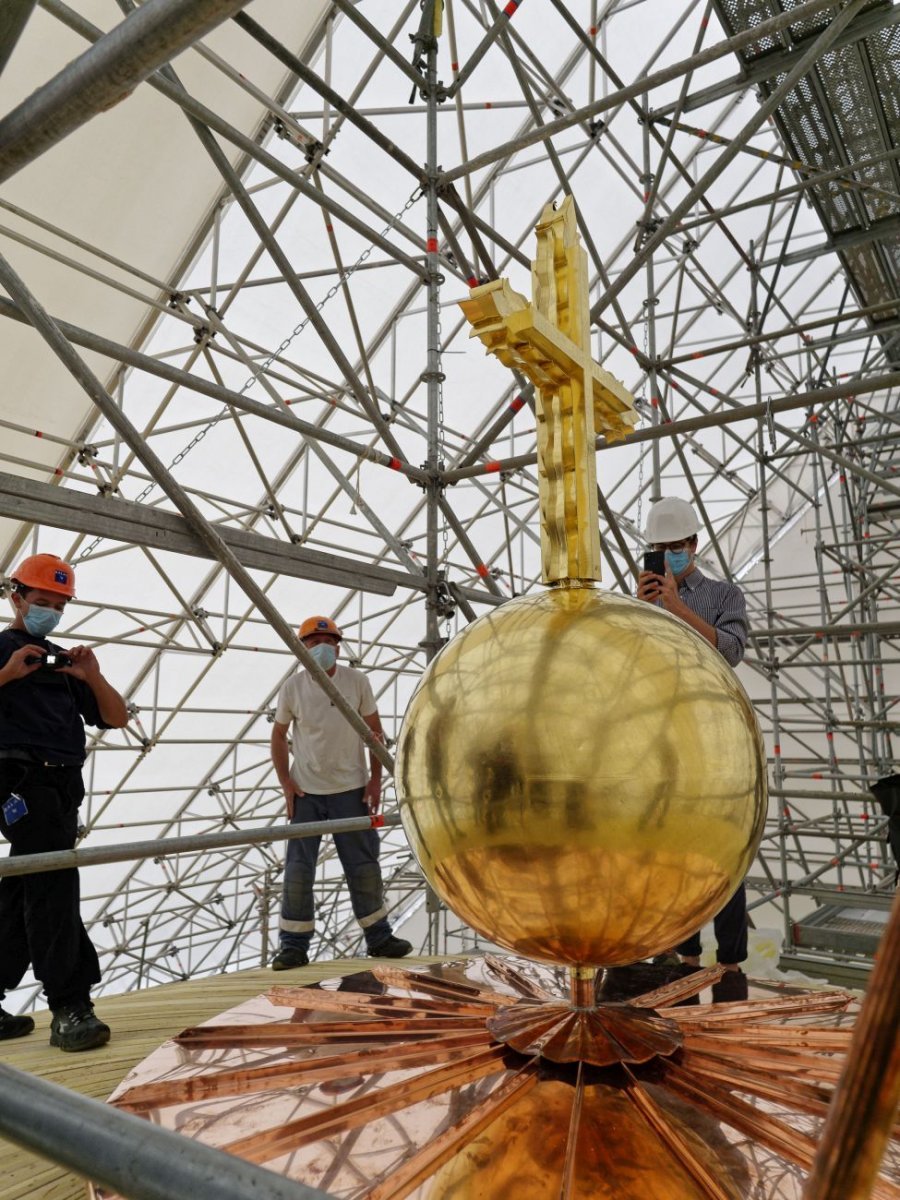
point(798, 501)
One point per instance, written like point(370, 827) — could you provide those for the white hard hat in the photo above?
point(670, 520)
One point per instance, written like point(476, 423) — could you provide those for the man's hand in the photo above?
point(17, 666)
point(84, 664)
point(650, 586)
point(372, 795)
point(671, 601)
point(290, 790)
point(660, 587)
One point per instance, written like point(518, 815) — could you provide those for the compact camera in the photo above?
point(50, 662)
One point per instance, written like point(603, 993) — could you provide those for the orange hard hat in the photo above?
point(47, 572)
point(318, 625)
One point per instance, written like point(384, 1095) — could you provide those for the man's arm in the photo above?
point(112, 708)
point(281, 762)
point(731, 626)
point(16, 667)
point(673, 603)
point(373, 788)
point(664, 588)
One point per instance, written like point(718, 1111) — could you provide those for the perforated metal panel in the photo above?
point(739, 15)
point(844, 112)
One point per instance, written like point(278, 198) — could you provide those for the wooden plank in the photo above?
point(140, 1022)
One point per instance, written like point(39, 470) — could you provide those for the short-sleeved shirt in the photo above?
point(328, 754)
point(721, 605)
point(45, 712)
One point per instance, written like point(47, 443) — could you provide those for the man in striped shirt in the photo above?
point(717, 611)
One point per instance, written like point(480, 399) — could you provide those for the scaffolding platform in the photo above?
point(839, 940)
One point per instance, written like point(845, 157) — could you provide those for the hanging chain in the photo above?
point(441, 465)
point(642, 454)
point(248, 383)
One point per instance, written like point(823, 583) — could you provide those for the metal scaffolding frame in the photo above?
point(376, 460)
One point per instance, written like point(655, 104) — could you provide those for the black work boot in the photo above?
point(288, 957)
point(731, 988)
point(75, 1027)
point(13, 1027)
point(391, 947)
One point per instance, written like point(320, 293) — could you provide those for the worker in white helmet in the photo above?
point(717, 611)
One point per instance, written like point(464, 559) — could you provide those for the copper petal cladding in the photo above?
point(601, 1036)
point(391, 1084)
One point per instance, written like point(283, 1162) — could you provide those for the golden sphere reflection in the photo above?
point(581, 778)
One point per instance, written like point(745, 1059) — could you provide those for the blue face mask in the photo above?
point(41, 621)
point(325, 655)
point(678, 561)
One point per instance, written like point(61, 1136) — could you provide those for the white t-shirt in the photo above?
point(328, 755)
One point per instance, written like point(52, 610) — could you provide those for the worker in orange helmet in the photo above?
point(329, 780)
point(46, 697)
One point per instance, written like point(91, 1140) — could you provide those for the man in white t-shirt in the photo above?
point(329, 780)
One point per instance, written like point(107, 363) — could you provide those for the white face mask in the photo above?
point(325, 655)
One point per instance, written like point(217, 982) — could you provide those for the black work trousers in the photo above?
point(730, 928)
point(40, 918)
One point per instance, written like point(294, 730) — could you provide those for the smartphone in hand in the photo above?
point(655, 561)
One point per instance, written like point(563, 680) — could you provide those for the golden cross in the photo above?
point(549, 342)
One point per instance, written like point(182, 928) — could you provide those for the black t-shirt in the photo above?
point(46, 711)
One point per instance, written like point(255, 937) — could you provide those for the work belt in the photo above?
point(33, 759)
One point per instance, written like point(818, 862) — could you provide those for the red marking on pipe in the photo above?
point(777, 748)
point(864, 816)
point(518, 403)
point(816, 775)
point(511, 7)
point(432, 245)
point(593, 30)
point(488, 104)
point(37, 433)
point(830, 736)
point(377, 820)
point(482, 570)
point(493, 465)
point(654, 400)
point(699, 354)
point(633, 349)
point(842, 478)
point(834, 863)
point(454, 66)
point(395, 464)
point(813, 419)
point(472, 281)
point(704, 22)
point(702, 133)
point(58, 471)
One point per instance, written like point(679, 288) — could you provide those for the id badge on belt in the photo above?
point(14, 809)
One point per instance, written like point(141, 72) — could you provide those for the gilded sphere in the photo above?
point(581, 778)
